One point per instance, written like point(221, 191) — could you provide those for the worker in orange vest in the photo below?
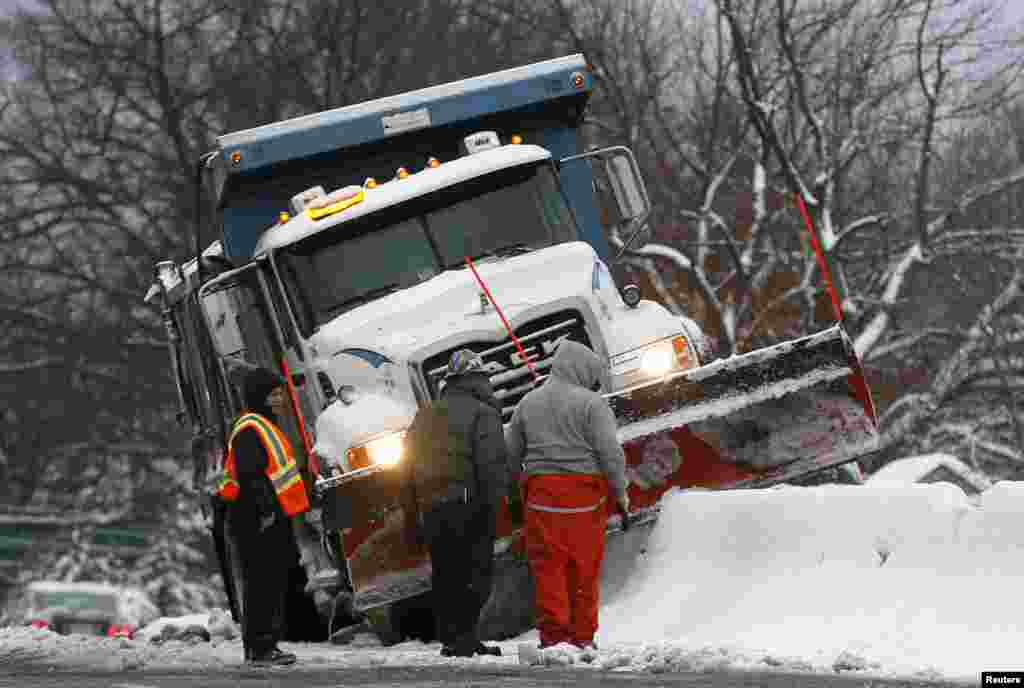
point(263, 486)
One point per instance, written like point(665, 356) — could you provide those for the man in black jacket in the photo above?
point(259, 523)
point(452, 479)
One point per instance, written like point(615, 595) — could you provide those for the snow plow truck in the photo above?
point(355, 249)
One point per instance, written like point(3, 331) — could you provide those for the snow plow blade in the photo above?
point(751, 420)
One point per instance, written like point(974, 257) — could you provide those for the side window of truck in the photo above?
point(239, 323)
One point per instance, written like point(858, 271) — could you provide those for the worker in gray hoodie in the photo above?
point(563, 436)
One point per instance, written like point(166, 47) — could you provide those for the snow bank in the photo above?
point(889, 581)
point(897, 580)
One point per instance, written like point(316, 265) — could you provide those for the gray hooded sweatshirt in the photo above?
point(566, 427)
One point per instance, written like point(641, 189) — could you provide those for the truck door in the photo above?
point(246, 333)
point(240, 327)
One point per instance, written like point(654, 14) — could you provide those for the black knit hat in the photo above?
point(258, 384)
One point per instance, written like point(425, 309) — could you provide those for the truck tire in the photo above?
point(303, 621)
point(380, 621)
point(408, 619)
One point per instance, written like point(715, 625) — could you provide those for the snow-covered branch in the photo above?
point(682, 262)
point(904, 343)
point(38, 364)
point(873, 333)
point(997, 449)
point(980, 192)
point(955, 367)
point(856, 226)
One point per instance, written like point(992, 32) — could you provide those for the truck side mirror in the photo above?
point(616, 172)
point(627, 185)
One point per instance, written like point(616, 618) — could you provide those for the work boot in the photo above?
point(457, 650)
point(273, 657)
point(465, 646)
point(492, 650)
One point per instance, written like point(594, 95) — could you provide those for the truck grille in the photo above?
point(509, 373)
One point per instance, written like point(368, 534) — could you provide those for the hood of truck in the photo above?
point(448, 306)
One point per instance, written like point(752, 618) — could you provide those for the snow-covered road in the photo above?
point(439, 677)
point(910, 582)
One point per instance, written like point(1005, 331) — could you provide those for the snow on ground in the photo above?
point(911, 581)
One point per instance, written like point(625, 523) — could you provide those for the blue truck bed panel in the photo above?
point(260, 168)
point(375, 120)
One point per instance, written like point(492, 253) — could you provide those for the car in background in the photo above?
point(84, 608)
point(931, 468)
point(843, 474)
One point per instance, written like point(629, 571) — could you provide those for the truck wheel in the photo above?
point(413, 618)
point(380, 621)
point(408, 619)
point(303, 622)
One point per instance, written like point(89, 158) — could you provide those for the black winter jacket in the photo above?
point(462, 428)
point(257, 505)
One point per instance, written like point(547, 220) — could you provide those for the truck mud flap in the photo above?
point(766, 416)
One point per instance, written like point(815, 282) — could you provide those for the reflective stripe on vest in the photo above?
point(567, 509)
point(281, 470)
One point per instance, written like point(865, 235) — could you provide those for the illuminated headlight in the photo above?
point(657, 361)
point(651, 362)
point(383, 451)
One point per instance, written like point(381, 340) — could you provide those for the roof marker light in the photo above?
point(370, 183)
point(433, 162)
point(516, 139)
point(335, 202)
point(307, 198)
point(402, 173)
point(283, 217)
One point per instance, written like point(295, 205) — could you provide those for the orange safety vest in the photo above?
point(282, 470)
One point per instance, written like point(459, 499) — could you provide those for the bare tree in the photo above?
point(922, 47)
point(114, 102)
point(744, 113)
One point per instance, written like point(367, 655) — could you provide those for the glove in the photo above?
point(623, 505)
point(515, 506)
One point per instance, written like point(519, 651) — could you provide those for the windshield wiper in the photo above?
point(512, 250)
point(365, 296)
point(501, 252)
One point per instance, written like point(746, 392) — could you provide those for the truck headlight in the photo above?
point(657, 361)
point(383, 451)
point(651, 362)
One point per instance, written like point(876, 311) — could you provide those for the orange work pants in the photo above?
point(565, 547)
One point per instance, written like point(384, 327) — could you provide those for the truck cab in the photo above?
point(359, 247)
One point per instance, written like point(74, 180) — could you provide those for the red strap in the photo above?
point(508, 328)
point(314, 462)
point(821, 256)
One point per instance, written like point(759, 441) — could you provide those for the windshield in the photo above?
point(499, 214)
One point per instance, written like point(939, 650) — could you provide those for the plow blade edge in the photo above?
point(759, 418)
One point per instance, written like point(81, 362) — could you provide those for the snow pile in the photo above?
point(896, 580)
point(192, 628)
point(891, 581)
